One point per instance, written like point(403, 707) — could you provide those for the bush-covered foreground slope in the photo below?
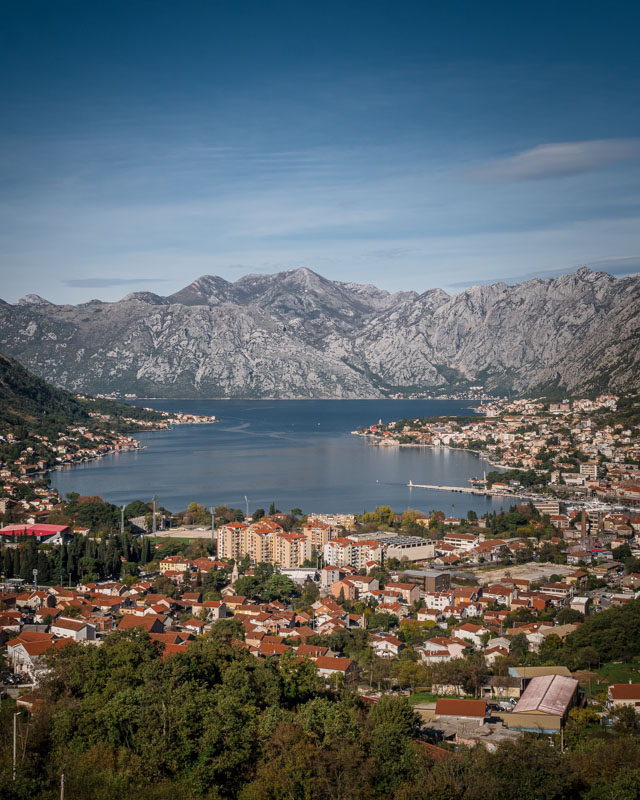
point(214, 722)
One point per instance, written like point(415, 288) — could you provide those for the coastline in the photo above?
point(381, 442)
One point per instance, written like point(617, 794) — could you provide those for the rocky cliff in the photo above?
point(296, 334)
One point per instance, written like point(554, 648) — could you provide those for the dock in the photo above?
point(463, 489)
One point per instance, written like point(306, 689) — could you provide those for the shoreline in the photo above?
point(480, 453)
point(133, 445)
point(133, 400)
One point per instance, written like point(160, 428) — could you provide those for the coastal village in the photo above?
point(26, 463)
point(577, 449)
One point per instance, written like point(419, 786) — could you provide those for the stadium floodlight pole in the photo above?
point(122, 520)
point(213, 524)
point(154, 500)
point(246, 502)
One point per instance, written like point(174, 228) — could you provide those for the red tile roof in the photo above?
point(461, 708)
point(625, 691)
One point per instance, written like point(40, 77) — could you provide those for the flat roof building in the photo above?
point(429, 580)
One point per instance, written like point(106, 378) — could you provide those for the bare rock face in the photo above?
point(297, 334)
point(31, 300)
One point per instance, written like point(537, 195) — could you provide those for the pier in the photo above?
point(464, 489)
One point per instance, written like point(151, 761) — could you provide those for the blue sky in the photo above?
point(409, 145)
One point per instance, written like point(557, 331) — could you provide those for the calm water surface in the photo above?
point(295, 453)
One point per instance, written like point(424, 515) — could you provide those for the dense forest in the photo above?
point(214, 722)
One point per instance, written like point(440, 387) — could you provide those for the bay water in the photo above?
point(294, 453)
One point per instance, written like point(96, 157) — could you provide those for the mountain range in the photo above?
point(296, 334)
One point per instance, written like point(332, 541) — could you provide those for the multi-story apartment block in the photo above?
point(589, 469)
point(237, 540)
point(319, 533)
point(230, 540)
point(291, 550)
point(343, 552)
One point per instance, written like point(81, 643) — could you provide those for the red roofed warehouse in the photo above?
point(44, 533)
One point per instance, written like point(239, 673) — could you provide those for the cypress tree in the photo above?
point(8, 563)
point(44, 571)
point(145, 556)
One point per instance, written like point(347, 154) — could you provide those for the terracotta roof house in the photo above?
point(331, 665)
point(76, 629)
point(624, 694)
point(149, 622)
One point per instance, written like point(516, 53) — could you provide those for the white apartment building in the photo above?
point(347, 553)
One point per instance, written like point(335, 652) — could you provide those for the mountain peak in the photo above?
point(146, 297)
point(33, 300)
point(206, 290)
point(298, 334)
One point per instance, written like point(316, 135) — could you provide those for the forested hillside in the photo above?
point(26, 399)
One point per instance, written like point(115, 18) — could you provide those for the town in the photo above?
point(482, 622)
point(585, 450)
point(482, 631)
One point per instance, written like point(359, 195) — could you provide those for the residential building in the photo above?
point(428, 580)
point(78, 630)
point(624, 694)
point(292, 550)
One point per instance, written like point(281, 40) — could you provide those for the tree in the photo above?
point(519, 645)
point(626, 720)
point(475, 673)
point(278, 587)
point(588, 657)
point(215, 579)
point(145, 553)
point(310, 593)
point(569, 615)
point(300, 680)
point(529, 769)
point(581, 723)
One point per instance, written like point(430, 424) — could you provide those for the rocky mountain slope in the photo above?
point(296, 334)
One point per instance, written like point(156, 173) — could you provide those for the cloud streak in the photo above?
point(556, 160)
point(618, 266)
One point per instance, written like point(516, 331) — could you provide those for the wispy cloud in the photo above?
point(619, 266)
point(105, 283)
point(556, 160)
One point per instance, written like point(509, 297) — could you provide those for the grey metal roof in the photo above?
point(548, 694)
point(421, 573)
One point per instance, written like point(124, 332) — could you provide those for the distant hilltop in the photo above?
point(296, 334)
